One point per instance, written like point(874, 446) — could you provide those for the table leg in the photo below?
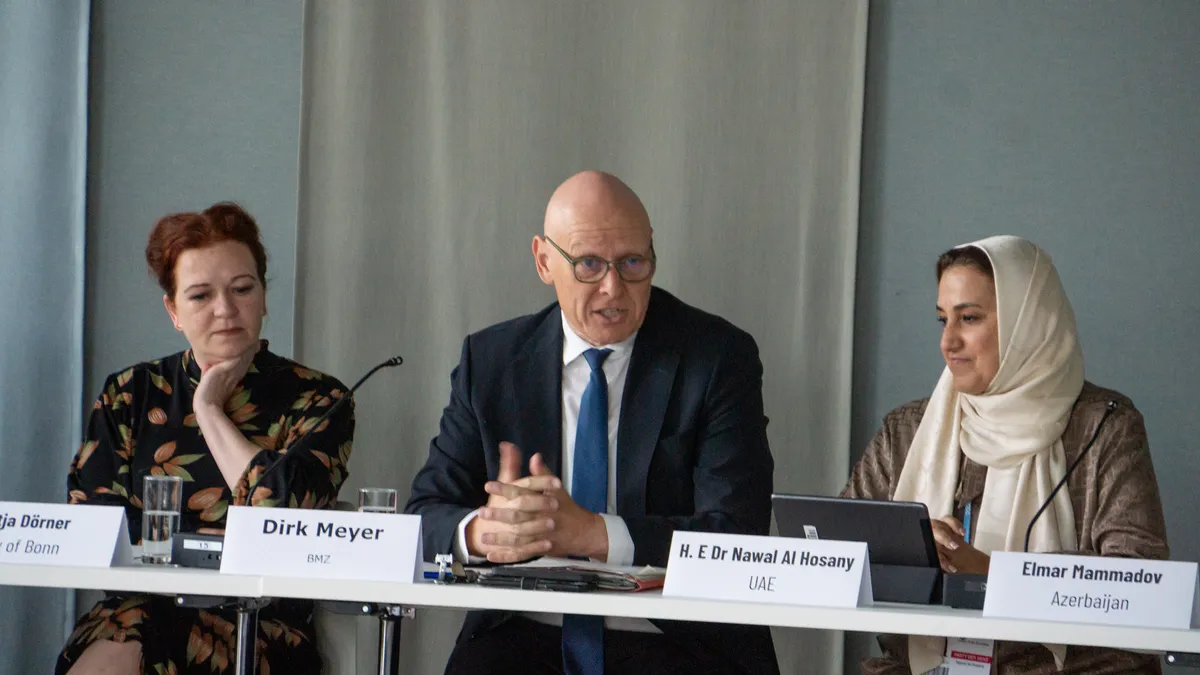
point(390, 617)
point(246, 654)
point(246, 659)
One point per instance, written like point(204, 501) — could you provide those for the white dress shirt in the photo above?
point(575, 376)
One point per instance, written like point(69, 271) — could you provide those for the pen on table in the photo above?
point(967, 524)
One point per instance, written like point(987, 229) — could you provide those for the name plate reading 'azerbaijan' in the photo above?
point(815, 572)
point(1091, 589)
point(322, 544)
point(72, 535)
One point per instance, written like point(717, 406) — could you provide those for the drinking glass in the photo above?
point(377, 500)
point(162, 500)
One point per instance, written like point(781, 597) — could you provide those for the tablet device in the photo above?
point(896, 533)
point(541, 579)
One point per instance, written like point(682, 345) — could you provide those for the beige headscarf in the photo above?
point(1014, 428)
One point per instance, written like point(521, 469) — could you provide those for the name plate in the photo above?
point(322, 544)
point(71, 535)
point(778, 570)
point(1091, 589)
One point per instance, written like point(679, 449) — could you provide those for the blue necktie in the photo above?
point(583, 636)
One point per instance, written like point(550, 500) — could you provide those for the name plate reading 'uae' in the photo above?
point(72, 535)
point(780, 570)
point(322, 544)
point(1091, 589)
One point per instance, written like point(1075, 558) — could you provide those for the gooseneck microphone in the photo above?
point(300, 442)
point(1112, 405)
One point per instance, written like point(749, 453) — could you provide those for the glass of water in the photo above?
point(377, 500)
point(162, 500)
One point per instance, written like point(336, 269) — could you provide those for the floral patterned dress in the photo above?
point(143, 424)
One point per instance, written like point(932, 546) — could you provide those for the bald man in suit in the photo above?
point(596, 428)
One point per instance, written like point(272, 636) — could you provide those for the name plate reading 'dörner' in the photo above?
point(322, 544)
point(1091, 589)
point(780, 570)
point(72, 535)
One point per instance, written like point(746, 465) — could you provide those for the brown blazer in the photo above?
point(1117, 513)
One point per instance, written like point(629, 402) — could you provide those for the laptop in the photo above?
point(896, 533)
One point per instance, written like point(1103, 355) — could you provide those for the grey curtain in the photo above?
point(43, 129)
point(433, 133)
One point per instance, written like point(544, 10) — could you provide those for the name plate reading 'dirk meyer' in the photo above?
point(322, 544)
point(1091, 589)
point(777, 570)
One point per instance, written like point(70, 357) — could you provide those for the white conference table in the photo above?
point(155, 579)
point(880, 618)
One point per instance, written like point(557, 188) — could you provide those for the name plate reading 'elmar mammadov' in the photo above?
point(779, 570)
point(73, 535)
point(1091, 589)
point(322, 544)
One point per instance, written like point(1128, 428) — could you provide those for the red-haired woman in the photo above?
point(216, 415)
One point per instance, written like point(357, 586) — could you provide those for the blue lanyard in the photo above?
point(967, 523)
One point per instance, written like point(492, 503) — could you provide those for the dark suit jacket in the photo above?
point(692, 449)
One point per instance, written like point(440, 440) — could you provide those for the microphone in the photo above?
point(1112, 405)
point(301, 441)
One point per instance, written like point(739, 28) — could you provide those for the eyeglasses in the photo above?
point(590, 269)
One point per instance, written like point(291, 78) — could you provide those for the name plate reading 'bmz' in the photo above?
point(72, 535)
point(1091, 589)
point(780, 570)
point(322, 544)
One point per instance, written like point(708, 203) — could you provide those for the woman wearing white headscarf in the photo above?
point(1008, 417)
